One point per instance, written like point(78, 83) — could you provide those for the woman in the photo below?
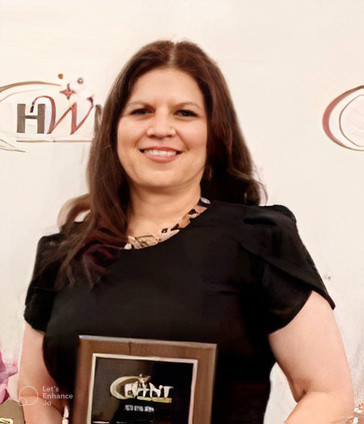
point(173, 231)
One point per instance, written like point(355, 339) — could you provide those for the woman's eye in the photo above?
point(184, 112)
point(139, 111)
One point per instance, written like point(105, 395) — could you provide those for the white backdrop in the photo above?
point(284, 61)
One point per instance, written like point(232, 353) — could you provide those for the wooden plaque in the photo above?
point(121, 381)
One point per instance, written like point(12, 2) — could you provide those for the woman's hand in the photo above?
point(311, 354)
point(34, 380)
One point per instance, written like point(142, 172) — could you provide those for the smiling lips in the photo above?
point(160, 154)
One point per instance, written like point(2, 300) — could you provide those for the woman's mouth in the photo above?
point(160, 155)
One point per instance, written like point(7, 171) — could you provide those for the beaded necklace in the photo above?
point(151, 239)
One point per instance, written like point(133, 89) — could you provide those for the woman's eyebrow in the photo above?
point(139, 103)
point(182, 104)
point(188, 104)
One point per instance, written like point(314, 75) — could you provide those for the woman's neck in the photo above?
point(149, 212)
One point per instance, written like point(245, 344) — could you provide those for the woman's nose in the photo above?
point(161, 126)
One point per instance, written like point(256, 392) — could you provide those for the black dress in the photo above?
point(235, 274)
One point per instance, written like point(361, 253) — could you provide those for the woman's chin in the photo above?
point(161, 187)
point(166, 182)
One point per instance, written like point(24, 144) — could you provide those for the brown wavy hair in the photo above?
point(229, 166)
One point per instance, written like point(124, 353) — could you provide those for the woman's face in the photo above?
point(162, 132)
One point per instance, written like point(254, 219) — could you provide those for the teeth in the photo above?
point(160, 152)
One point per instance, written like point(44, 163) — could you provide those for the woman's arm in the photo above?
point(311, 354)
point(34, 381)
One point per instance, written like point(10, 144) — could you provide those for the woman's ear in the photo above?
point(208, 173)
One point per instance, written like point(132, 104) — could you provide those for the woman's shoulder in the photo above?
point(52, 240)
point(271, 234)
point(48, 248)
point(254, 214)
point(264, 230)
point(49, 241)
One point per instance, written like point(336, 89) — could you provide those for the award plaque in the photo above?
point(138, 381)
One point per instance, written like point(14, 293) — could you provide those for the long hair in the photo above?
point(229, 167)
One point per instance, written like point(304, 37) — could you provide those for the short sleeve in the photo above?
point(41, 293)
point(288, 273)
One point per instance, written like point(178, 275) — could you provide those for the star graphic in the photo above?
point(68, 92)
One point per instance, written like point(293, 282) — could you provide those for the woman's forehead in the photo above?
point(166, 83)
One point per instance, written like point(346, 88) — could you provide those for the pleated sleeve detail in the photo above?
point(288, 271)
point(40, 292)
